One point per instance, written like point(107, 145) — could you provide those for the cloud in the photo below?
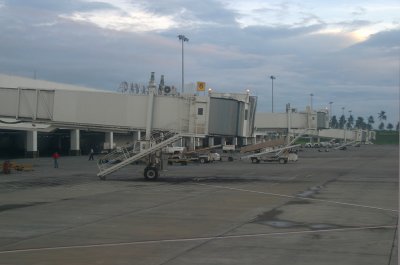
point(389, 39)
point(59, 5)
point(71, 43)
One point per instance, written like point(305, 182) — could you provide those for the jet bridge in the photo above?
point(184, 115)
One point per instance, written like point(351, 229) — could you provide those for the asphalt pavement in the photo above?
point(336, 207)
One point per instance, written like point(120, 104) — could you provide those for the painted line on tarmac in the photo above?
point(299, 197)
point(178, 240)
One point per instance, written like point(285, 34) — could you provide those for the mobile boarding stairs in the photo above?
point(261, 151)
point(149, 151)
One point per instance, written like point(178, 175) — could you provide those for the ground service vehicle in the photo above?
point(270, 158)
point(281, 155)
point(180, 159)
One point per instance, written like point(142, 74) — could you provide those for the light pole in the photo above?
point(272, 80)
point(182, 38)
point(330, 113)
point(350, 118)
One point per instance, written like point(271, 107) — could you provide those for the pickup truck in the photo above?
point(174, 149)
point(180, 159)
point(272, 158)
point(185, 159)
point(228, 148)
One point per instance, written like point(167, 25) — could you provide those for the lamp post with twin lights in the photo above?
point(182, 38)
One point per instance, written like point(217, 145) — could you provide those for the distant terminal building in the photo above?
point(312, 124)
point(273, 125)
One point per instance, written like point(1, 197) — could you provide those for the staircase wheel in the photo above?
point(151, 173)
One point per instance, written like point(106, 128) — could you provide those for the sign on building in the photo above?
point(201, 86)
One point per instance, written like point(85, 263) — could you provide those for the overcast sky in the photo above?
point(347, 52)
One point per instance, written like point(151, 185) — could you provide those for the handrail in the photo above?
point(124, 157)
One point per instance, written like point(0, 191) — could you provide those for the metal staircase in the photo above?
point(126, 155)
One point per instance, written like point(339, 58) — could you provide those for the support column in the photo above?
point(289, 122)
point(137, 135)
point(75, 147)
point(210, 141)
point(223, 141)
point(192, 143)
point(109, 140)
point(149, 113)
point(235, 141)
point(31, 144)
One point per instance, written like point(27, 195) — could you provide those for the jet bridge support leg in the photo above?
point(109, 138)
point(75, 149)
point(210, 141)
point(31, 144)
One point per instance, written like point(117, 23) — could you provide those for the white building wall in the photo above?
point(170, 113)
point(271, 120)
point(280, 120)
point(350, 135)
point(100, 108)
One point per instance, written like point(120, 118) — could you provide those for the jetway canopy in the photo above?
point(89, 108)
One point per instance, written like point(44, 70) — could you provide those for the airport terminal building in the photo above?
point(39, 117)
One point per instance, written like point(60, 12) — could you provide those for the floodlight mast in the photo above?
point(330, 113)
point(311, 101)
point(182, 38)
point(272, 79)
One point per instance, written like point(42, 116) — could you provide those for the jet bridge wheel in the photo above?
point(151, 173)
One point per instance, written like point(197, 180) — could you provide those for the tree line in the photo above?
point(360, 123)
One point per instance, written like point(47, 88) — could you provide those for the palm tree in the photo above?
point(370, 122)
point(334, 122)
point(342, 122)
point(359, 122)
point(382, 116)
point(350, 122)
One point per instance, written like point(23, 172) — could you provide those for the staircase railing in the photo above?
point(127, 155)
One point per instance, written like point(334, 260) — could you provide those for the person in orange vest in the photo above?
point(55, 156)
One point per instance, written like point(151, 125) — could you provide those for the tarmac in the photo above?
point(336, 207)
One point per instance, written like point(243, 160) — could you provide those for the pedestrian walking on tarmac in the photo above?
point(55, 157)
point(91, 154)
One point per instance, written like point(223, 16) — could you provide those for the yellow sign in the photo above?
point(201, 86)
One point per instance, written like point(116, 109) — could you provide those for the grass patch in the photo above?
point(387, 137)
